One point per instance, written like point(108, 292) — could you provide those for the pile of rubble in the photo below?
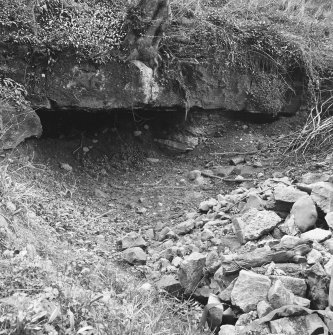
point(260, 258)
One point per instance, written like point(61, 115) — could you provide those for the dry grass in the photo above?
point(52, 282)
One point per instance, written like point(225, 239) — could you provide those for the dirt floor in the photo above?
point(97, 181)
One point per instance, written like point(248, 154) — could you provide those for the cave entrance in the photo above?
point(72, 123)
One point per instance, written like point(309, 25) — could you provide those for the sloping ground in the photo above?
point(64, 209)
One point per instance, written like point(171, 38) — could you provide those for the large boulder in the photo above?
point(17, 122)
point(305, 213)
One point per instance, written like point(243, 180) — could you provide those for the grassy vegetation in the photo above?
point(53, 281)
point(57, 277)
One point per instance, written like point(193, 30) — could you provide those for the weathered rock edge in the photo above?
point(132, 82)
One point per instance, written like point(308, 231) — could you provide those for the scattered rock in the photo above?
point(223, 170)
point(263, 308)
point(205, 206)
point(279, 296)
point(296, 285)
point(314, 256)
point(66, 167)
point(134, 256)
point(322, 195)
point(194, 174)
point(214, 313)
point(318, 234)
point(169, 284)
point(295, 325)
point(253, 201)
point(237, 160)
point(227, 330)
point(305, 213)
point(191, 271)
point(184, 227)
point(288, 194)
point(318, 283)
point(254, 224)
point(249, 289)
point(131, 240)
point(312, 178)
point(152, 160)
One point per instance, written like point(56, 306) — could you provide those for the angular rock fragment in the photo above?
point(132, 240)
point(214, 310)
point(314, 256)
point(227, 330)
point(296, 285)
point(287, 194)
point(322, 195)
point(134, 256)
point(289, 227)
point(254, 224)
point(169, 284)
point(318, 234)
point(191, 271)
point(263, 308)
point(253, 201)
point(206, 205)
point(293, 325)
point(249, 289)
point(279, 296)
point(311, 177)
point(184, 227)
point(318, 282)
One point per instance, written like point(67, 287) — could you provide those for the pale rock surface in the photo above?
point(131, 240)
point(287, 194)
point(169, 284)
point(249, 289)
point(184, 227)
point(191, 270)
point(322, 195)
point(253, 201)
point(263, 308)
point(206, 205)
point(289, 227)
point(305, 213)
point(314, 256)
point(317, 234)
point(279, 296)
point(312, 177)
point(135, 256)
point(299, 325)
point(254, 224)
point(329, 220)
point(295, 285)
point(289, 326)
point(227, 330)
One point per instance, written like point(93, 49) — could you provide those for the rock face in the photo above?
point(126, 81)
